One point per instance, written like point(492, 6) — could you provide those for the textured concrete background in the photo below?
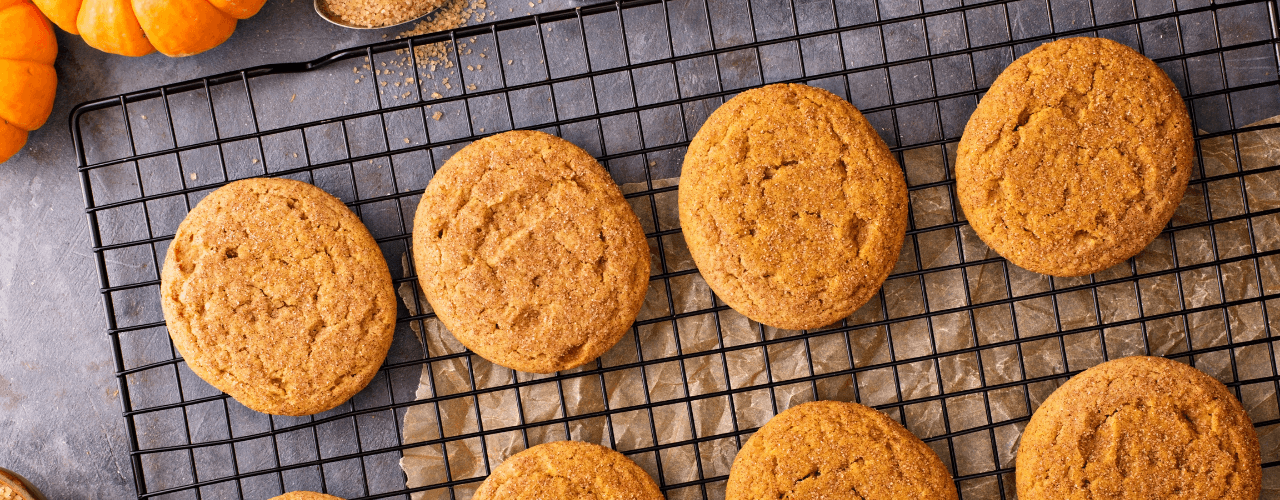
point(59, 407)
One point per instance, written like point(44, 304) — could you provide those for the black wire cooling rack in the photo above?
point(959, 346)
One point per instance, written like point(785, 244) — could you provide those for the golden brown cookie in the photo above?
point(275, 293)
point(793, 208)
point(1076, 158)
point(566, 470)
point(830, 449)
point(528, 252)
point(305, 495)
point(1140, 427)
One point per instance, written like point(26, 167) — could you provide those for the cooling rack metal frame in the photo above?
point(898, 61)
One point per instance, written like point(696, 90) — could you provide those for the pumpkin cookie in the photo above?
point(528, 252)
point(1076, 158)
point(305, 495)
point(1139, 427)
point(793, 208)
point(568, 470)
point(830, 449)
point(275, 293)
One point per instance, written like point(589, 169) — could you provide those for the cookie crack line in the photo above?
point(1132, 418)
point(831, 449)
point(815, 474)
point(1197, 436)
point(590, 471)
point(734, 158)
point(269, 320)
point(1105, 137)
point(544, 243)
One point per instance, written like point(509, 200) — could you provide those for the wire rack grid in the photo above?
point(959, 346)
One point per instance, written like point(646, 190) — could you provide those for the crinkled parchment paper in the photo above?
point(1099, 324)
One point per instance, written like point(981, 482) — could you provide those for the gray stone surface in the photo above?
point(59, 403)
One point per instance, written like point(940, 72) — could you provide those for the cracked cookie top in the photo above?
point(792, 206)
point(1140, 427)
point(528, 252)
point(830, 449)
point(1076, 158)
point(276, 294)
point(305, 495)
point(565, 470)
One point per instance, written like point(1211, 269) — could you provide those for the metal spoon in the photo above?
point(316, 4)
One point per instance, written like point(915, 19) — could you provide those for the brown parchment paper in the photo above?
point(1100, 323)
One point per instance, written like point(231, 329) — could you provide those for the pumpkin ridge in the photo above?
point(38, 46)
point(111, 26)
point(183, 27)
point(28, 81)
point(62, 12)
point(11, 139)
point(26, 93)
point(239, 9)
point(175, 28)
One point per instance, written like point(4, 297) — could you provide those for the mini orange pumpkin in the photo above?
point(27, 79)
point(176, 28)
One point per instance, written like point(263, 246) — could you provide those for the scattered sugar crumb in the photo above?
point(452, 14)
point(292, 97)
point(193, 176)
point(435, 117)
